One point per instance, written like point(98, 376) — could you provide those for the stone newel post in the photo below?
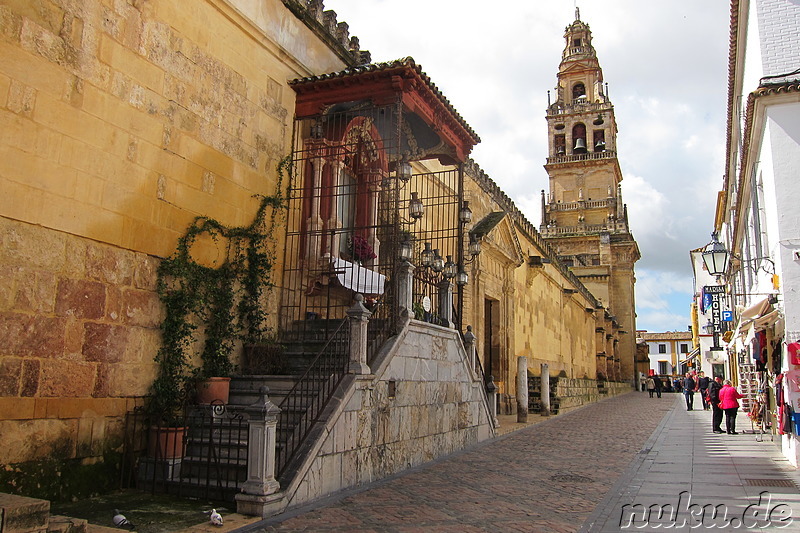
point(446, 302)
point(261, 482)
point(522, 389)
point(545, 389)
point(405, 289)
point(359, 317)
point(469, 346)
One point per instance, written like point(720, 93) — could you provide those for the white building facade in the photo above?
point(668, 351)
point(757, 213)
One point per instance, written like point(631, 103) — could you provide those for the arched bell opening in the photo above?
point(579, 139)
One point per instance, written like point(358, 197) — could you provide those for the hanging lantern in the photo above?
point(406, 250)
point(404, 170)
point(426, 257)
point(415, 207)
point(450, 269)
point(465, 214)
point(462, 277)
point(438, 263)
point(474, 247)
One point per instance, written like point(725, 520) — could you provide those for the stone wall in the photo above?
point(120, 122)
point(78, 332)
point(567, 393)
point(437, 407)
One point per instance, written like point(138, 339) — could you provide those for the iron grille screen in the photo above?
point(349, 203)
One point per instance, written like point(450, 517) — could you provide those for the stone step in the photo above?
point(20, 514)
point(65, 524)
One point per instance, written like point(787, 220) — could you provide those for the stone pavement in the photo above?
point(687, 472)
point(546, 477)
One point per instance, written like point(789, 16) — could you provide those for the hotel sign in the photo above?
point(716, 292)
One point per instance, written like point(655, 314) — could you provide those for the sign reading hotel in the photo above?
point(716, 292)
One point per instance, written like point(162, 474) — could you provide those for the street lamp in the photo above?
point(715, 257)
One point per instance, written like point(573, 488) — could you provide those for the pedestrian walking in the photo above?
point(642, 381)
point(651, 385)
point(676, 384)
point(658, 386)
point(713, 398)
point(702, 387)
point(729, 402)
point(689, 386)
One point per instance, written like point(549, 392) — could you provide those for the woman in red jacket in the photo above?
point(729, 402)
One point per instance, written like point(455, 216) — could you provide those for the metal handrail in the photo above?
point(310, 394)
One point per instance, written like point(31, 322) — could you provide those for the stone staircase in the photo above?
point(215, 463)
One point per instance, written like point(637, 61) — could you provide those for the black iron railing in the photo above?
point(303, 404)
point(202, 455)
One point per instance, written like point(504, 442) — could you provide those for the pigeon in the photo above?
point(215, 518)
point(120, 520)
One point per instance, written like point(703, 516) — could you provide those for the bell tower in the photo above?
point(583, 216)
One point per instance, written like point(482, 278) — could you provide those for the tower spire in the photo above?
point(577, 12)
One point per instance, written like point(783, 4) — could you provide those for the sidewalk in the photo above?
point(576, 471)
point(687, 472)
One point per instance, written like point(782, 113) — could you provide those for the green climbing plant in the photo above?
point(226, 300)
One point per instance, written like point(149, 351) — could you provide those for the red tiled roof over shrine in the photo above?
point(382, 84)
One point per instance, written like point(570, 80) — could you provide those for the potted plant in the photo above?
point(213, 375)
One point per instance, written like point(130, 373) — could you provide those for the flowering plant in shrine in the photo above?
point(362, 251)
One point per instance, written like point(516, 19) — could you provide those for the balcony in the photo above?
point(589, 156)
point(588, 204)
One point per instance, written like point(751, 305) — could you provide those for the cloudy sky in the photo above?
point(666, 67)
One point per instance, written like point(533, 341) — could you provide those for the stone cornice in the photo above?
point(333, 33)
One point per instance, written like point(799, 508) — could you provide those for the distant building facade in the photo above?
point(670, 352)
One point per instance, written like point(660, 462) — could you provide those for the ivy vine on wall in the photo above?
point(225, 299)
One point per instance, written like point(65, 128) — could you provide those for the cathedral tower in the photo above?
point(583, 217)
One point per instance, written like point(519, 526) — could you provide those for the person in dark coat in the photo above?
point(658, 386)
point(702, 386)
point(689, 386)
point(714, 387)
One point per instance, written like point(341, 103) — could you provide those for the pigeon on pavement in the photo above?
point(120, 520)
point(215, 518)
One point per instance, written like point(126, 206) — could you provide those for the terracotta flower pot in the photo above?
point(166, 442)
point(213, 389)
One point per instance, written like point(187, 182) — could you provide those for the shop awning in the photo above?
point(689, 356)
point(358, 278)
point(756, 317)
point(756, 310)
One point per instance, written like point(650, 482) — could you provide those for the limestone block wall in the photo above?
point(120, 122)
point(78, 331)
point(422, 402)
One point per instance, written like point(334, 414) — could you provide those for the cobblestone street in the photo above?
point(546, 477)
